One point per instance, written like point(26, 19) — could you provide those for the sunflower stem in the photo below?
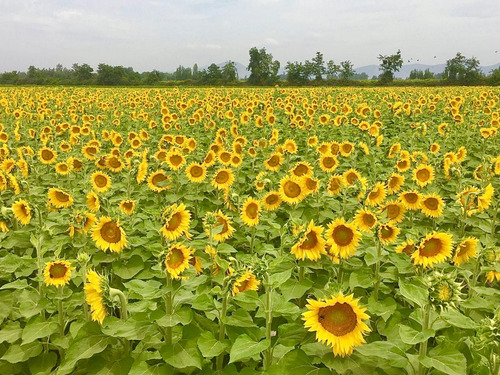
point(60, 310)
point(123, 301)
point(252, 239)
point(222, 329)
point(268, 354)
point(423, 345)
point(377, 270)
point(168, 309)
point(85, 306)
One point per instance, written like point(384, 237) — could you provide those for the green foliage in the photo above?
point(462, 70)
point(263, 69)
point(389, 65)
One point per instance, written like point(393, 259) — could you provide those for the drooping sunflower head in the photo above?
point(365, 220)
point(127, 206)
point(57, 272)
point(311, 245)
point(465, 250)
point(176, 222)
point(177, 259)
point(250, 212)
point(108, 234)
point(335, 184)
point(22, 211)
point(434, 248)
point(338, 322)
point(59, 198)
point(245, 282)
point(218, 226)
point(377, 195)
point(95, 288)
point(93, 201)
point(292, 190)
point(343, 237)
point(196, 172)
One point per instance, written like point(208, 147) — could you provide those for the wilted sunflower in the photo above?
point(93, 201)
point(196, 172)
point(271, 201)
point(423, 175)
point(223, 179)
point(343, 237)
point(465, 250)
point(377, 195)
point(94, 295)
point(432, 205)
point(394, 212)
point(220, 225)
point(338, 322)
point(434, 248)
point(57, 272)
point(311, 245)
point(250, 212)
point(292, 190)
point(101, 182)
point(365, 220)
point(177, 220)
point(47, 155)
point(158, 181)
point(245, 282)
point(388, 233)
point(127, 206)
point(59, 198)
point(22, 211)
point(177, 259)
point(410, 199)
point(108, 234)
point(407, 247)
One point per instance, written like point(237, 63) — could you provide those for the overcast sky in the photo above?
point(149, 34)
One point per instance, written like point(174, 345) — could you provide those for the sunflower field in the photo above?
point(242, 231)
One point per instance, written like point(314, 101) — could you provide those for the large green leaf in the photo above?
point(245, 347)
point(411, 336)
point(38, 329)
point(182, 354)
point(457, 319)
point(86, 347)
point(446, 359)
point(413, 292)
point(209, 346)
point(20, 353)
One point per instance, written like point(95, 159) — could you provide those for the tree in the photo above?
point(318, 66)
point(110, 75)
point(389, 65)
point(196, 73)
point(494, 77)
point(346, 70)
point(263, 69)
point(212, 75)
point(152, 77)
point(82, 73)
point(296, 73)
point(462, 70)
point(229, 73)
point(332, 69)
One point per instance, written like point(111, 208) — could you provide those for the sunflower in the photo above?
point(290, 146)
point(395, 183)
point(57, 272)
point(3, 226)
point(63, 168)
point(434, 149)
point(411, 199)
point(245, 282)
point(175, 159)
point(465, 250)
point(22, 211)
point(338, 322)
point(432, 205)
point(177, 220)
point(403, 165)
point(365, 220)
point(271, 201)
point(311, 245)
point(434, 248)
point(302, 169)
point(101, 182)
point(114, 164)
point(351, 176)
point(221, 227)
point(94, 295)
point(346, 148)
point(423, 175)
point(223, 179)
point(394, 211)
point(127, 206)
point(177, 259)
point(343, 237)
point(335, 184)
point(484, 200)
point(328, 163)
point(89, 221)
point(377, 195)
point(407, 247)
point(196, 263)
point(196, 172)
point(292, 190)
point(311, 185)
point(93, 201)
point(47, 155)
point(250, 212)
point(108, 234)
point(388, 233)
point(59, 198)
point(158, 181)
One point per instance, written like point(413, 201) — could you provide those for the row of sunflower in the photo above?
point(243, 230)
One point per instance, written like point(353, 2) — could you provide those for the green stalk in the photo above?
point(168, 309)
point(423, 345)
point(85, 306)
point(377, 270)
point(123, 301)
point(222, 329)
point(60, 310)
point(268, 354)
point(252, 239)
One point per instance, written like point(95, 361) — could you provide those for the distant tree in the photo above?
point(318, 66)
point(212, 75)
point(34, 76)
point(229, 73)
point(296, 73)
point(82, 73)
point(462, 70)
point(263, 69)
point(152, 78)
point(361, 75)
point(11, 78)
point(182, 73)
point(196, 73)
point(389, 65)
point(346, 70)
point(110, 75)
point(332, 69)
point(495, 77)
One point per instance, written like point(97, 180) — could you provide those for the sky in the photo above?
point(155, 34)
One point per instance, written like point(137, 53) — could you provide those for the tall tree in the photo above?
point(263, 69)
point(461, 69)
point(389, 65)
point(332, 69)
point(229, 73)
point(82, 73)
point(318, 66)
point(346, 70)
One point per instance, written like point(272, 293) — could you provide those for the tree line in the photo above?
point(264, 71)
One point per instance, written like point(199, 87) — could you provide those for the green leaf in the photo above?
point(411, 336)
point(37, 329)
point(182, 354)
point(384, 350)
point(183, 316)
point(446, 359)
point(84, 348)
point(295, 289)
point(245, 347)
point(119, 367)
point(150, 289)
point(209, 346)
point(361, 278)
point(240, 318)
point(43, 364)
point(21, 353)
point(276, 279)
point(129, 329)
point(11, 332)
point(127, 269)
point(18, 284)
point(413, 293)
point(457, 319)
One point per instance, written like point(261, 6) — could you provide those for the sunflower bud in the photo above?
point(83, 257)
point(444, 290)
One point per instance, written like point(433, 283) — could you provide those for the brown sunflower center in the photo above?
point(223, 222)
point(423, 175)
point(374, 194)
point(63, 167)
point(463, 249)
point(369, 219)
point(411, 198)
point(157, 178)
point(310, 241)
point(57, 271)
point(291, 189)
point(409, 249)
point(386, 231)
point(343, 235)
point(47, 155)
point(196, 171)
point(431, 247)
point(431, 203)
point(25, 210)
point(114, 162)
point(175, 258)
point(300, 170)
point(174, 222)
point(128, 205)
point(176, 160)
point(393, 182)
point(351, 178)
point(311, 184)
point(274, 161)
point(244, 285)
point(252, 210)
point(393, 211)
point(222, 177)
point(346, 148)
point(62, 196)
point(225, 157)
point(111, 233)
point(339, 319)
point(271, 199)
point(329, 162)
point(101, 181)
